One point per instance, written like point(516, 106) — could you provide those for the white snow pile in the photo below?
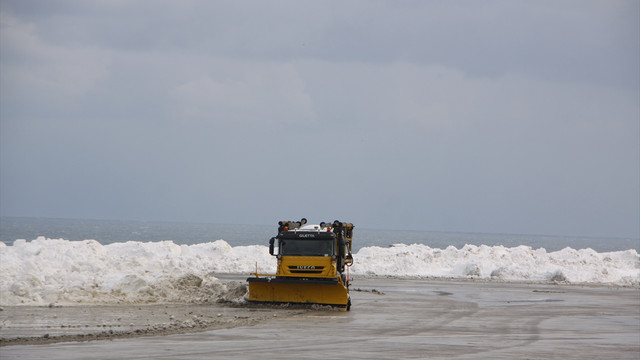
point(57, 271)
point(521, 263)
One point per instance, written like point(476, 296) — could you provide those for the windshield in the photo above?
point(307, 247)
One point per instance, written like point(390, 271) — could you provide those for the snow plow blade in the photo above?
point(306, 291)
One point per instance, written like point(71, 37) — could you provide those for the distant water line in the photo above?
point(112, 231)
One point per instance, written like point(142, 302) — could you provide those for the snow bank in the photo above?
point(521, 263)
point(58, 271)
point(45, 271)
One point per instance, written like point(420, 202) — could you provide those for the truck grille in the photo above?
point(305, 269)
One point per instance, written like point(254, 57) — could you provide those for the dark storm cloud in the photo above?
point(460, 116)
point(558, 39)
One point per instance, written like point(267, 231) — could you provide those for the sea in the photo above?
point(112, 231)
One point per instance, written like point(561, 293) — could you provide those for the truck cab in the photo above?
point(312, 250)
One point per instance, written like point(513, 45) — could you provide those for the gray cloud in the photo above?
point(492, 117)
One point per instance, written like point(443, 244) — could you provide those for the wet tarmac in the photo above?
point(406, 319)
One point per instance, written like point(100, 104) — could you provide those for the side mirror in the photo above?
point(271, 246)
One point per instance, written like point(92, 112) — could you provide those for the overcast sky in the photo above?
point(472, 116)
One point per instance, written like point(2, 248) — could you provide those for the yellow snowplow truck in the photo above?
point(311, 265)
